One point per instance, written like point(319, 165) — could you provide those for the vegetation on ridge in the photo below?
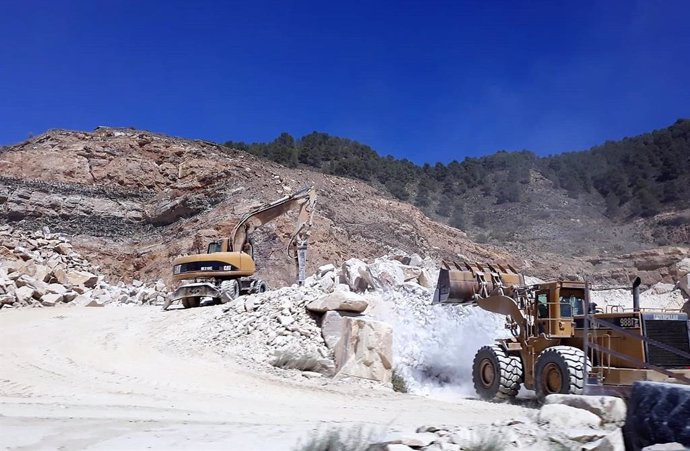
point(636, 176)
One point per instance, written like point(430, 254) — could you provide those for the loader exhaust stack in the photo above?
point(636, 294)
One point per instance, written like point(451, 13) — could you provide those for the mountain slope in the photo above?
point(134, 200)
point(639, 185)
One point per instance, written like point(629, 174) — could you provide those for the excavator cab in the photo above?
point(215, 246)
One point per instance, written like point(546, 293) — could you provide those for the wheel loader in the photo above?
point(227, 269)
point(561, 342)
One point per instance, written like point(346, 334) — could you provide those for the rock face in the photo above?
point(365, 350)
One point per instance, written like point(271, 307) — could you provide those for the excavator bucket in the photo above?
point(465, 283)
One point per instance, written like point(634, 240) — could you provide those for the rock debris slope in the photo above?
point(41, 269)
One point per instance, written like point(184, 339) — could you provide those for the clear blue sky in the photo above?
point(427, 80)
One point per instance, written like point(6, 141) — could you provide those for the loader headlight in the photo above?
point(177, 269)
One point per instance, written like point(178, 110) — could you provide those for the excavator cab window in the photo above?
point(214, 246)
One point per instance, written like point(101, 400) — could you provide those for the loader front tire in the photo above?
point(496, 375)
point(229, 290)
point(560, 369)
point(191, 302)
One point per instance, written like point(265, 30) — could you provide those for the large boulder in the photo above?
point(56, 288)
point(561, 416)
point(684, 284)
point(50, 299)
point(683, 266)
point(63, 248)
point(410, 273)
point(365, 350)
point(609, 408)
point(7, 299)
point(613, 441)
point(24, 294)
point(427, 279)
point(85, 300)
point(40, 287)
point(339, 300)
point(386, 273)
point(81, 278)
point(354, 273)
point(332, 327)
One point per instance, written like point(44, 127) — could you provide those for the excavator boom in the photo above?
point(304, 198)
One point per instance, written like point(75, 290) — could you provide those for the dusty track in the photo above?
point(118, 378)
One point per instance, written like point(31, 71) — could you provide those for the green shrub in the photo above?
point(352, 439)
point(399, 383)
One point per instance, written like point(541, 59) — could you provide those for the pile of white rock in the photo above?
point(357, 320)
point(41, 269)
point(320, 327)
point(563, 422)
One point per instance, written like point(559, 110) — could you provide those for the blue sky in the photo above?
point(427, 80)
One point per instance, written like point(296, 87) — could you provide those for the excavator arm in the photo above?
point(305, 199)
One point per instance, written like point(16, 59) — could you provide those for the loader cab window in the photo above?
point(572, 304)
point(214, 246)
point(542, 305)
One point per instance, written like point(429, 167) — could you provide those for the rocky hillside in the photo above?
point(133, 200)
point(622, 195)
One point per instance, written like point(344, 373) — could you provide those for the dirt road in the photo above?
point(118, 378)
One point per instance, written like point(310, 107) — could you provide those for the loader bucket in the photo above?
point(465, 283)
point(455, 286)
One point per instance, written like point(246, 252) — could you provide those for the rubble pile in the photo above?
point(41, 269)
point(361, 319)
point(563, 422)
point(322, 326)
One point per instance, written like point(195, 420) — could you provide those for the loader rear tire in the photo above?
point(191, 302)
point(229, 290)
point(657, 413)
point(560, 369)
point(496, 375)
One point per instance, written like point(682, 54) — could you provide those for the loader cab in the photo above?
point(556, 303)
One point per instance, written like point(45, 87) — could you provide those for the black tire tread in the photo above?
point(510, 373)
point(573, 358)
point(226, 287)
point(190, 302)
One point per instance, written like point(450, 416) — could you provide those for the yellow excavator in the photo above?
point(226, 270)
